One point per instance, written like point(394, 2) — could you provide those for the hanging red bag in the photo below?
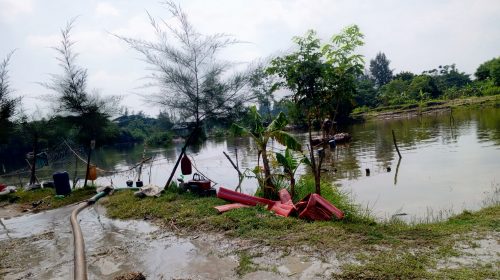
point(186, 167)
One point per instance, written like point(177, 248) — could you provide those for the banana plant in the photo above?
point(261, 135)
point(290, 164)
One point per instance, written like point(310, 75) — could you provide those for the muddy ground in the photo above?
point(39, 246)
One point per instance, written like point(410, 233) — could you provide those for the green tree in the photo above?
point(423, 87)
point(89, 112)
point(487, 70)
point(366, 94)
point(164, 121)
point(449, 77)
point(262, 85)
point(292, 111)
point(379, 69)
point(495, 72)
point(405, 76)
point(8, 104)
point(395, 92)
point(191, 79)
point(261, 136)
point(321, 78)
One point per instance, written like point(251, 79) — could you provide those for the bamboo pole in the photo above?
point(240, 175)
point(395, 144)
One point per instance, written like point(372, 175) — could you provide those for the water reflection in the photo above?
point(450, 159)
point(449, 162)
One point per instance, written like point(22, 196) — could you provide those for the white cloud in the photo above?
point(137, 27)
point(42, 41)
point(11, 9)
point(92, 42)
point(106, 9)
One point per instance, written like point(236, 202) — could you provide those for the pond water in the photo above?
point(449, 162)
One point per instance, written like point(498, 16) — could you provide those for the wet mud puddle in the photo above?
point(40, 246)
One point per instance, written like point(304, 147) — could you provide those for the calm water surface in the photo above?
point(450, 162)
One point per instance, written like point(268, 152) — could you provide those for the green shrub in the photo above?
point(159, 139)
point(493, 90)
point(359, 110)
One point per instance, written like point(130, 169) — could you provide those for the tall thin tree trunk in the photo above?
point(315, 169)
point(33, 163)
point(87, 173)
point(269, 188)
point(292, 185)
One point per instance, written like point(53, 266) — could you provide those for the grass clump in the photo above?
point(245, 264)
point(43, 199)
point(389, 265)
point(412, 265)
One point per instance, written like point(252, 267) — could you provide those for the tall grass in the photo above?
point(341, 199)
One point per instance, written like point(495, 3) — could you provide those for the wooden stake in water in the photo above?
point(395, 144)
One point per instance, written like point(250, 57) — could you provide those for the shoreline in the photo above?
point(414, 110)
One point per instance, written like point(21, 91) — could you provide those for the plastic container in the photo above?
point(92, 172)
point(61, 183)
point(186, 167)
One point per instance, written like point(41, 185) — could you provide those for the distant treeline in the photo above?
point(380, 87)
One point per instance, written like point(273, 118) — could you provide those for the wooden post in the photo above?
point(91, 146)
point(395, 144)
point(240, 175)
point(33, 178)
point(76, 171)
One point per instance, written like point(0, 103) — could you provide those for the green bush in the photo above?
point(359, 110)
point(493, 90)
point(467, 91)
point(159, 139)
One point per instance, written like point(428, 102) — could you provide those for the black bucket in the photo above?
point(61, 183)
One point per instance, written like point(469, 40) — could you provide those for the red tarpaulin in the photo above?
point(312, 207)
point(227, 207)
point(242, 198)
point(285, 197)
point(315, 207)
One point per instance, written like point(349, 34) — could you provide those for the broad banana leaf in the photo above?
point(278, 123)
point(287, 140)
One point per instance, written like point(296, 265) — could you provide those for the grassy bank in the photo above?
point(189, 213)
point(425, 107)
point(384, 250)
point(44, 199)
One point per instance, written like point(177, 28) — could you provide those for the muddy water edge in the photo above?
point(39, 246)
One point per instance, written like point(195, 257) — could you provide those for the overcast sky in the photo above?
point(415, 35)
